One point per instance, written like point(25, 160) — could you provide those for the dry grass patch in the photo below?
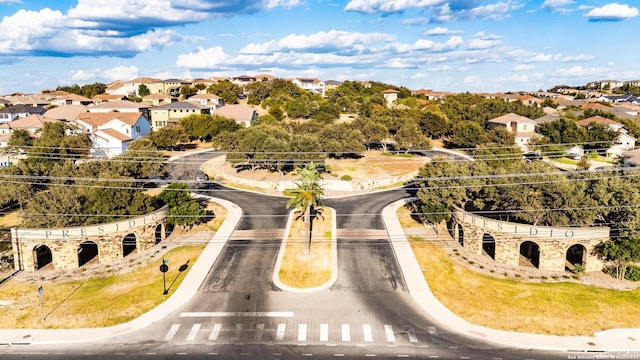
point(554, 309)
point(97, 302)
point(375, 164)
point(303, 271)
point(11, 219)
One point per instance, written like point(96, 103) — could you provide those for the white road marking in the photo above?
point(194, 332)
point(411, 332)
point(215, 332)
point(324, 332)
point(368, 335)
point(236, 336)
point(237, 314)
point(280, 331)
point(259, 332)
point(172, 332)
point(346, 332)
point(388, 331)
point(302, 332)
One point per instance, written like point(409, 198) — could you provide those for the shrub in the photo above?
point(346, 177)
point(632, 273)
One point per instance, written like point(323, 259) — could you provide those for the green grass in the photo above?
point(567, 161)
point(96, 302)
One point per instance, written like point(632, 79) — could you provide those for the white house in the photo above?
point(310, 84)
point(623, 142)
point(210, 101)
point(112, 133)
point(390, 96)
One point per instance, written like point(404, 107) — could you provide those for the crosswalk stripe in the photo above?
point(194, 332)
point(172, 332)
point(368, 335)
point(237, 314)
point(215, 332)
point(238, 333)
point(302, 332)
point(259, 332)
point(388, 331)
point(324, 332)
point(411, 332)
point(346, 332)
point(280, 332)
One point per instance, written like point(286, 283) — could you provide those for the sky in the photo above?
point(457, 46)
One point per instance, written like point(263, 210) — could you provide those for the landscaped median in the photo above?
point(299, 271)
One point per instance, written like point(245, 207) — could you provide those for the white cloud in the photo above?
point(484, 41)
point(496, 11)
point(334, 39)
point(578, 71)
point(523, 67)
point(10, 1)
point(471, 80)
point(84, 75)
point(612, 12)
point(120, 72)
point(442, 31)
point(558, 5)
point(210, 58)
point(386, 6)
point(577, 58)
point(440, 68)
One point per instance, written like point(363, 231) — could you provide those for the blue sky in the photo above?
point(460, 45)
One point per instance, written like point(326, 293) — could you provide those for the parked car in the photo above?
point(574, 156)
point(532, 157)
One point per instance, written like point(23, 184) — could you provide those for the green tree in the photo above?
point(184, 210)
point(168, 137)
point(227, 90)
point(143, 90)
point(466, 134)
point(306, 197)
point(621, 252)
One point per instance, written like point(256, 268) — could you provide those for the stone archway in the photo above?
point(530, 254)
point(42, 257)
point(489, 245)
point(129, 244)
point(87, 253)
point(159, 233)
point(576, 255)
point(460, 234)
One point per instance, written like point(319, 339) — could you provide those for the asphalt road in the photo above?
point(238, 312)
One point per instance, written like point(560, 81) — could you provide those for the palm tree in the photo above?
point(305, 197)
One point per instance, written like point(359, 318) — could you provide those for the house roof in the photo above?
point(76, 97)
point(98, 119)
point(144, 80)
point(66, 112)
point(509, 118)
point(114, 134)
point(107, 97)
point(23, 109)
point(205, 96)
point(238, 112)
point(157, 97)
point(115, 85)
point(29, 100)
point(179, 105)
point(598, 120)
point(391, 91)
point(120, 104)
point(31, 122)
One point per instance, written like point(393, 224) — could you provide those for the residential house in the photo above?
point(66, 112)
point(11, 113)
point(605, 84)
point(71, 99)
point(210, 101)
point(103, 98)
point(112, 132)
point(29, 100)
point(32, 123)
point(331, 84)
point(158, 99)
point(124, 106)
point(390, 96)
point(172, 87)
point(310, 84)
point(242, 114)
point(170, 114)
point(131, 87)
point(623, 142)
point(243, 80)
point(522, 128)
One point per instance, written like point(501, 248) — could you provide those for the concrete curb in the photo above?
point(187, 289)
point(334, 259)
point(612, 340)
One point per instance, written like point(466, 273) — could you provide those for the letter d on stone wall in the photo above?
point(533, 231)
point(132, 224)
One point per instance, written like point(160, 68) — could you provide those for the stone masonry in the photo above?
point(62, 247)
point(549, 246)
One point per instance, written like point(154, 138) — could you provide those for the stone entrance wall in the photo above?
point(553, 242)
point(64, 243)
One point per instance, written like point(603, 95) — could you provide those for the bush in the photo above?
point(346, 177)
point(632, 273)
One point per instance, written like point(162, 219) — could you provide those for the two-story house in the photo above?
point(11, 113)
point(522, 128)
point(310, 84)
point(112, 132)
point(32, 123)
point(124, 106)
point(71, 99)
point(624, 141)
point(390, 96)
point(210, 101)
point(170, 114)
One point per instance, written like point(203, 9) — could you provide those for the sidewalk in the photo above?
point(623, 341)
